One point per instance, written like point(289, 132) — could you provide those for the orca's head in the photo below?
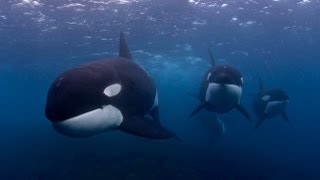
point(79, 102)
point(224, 86)
point(225, 75)
point(276, 101)
point(277, 95)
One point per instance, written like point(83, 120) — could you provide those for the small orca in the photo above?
point(270, 103)
point(221, 90)
point(105, 95)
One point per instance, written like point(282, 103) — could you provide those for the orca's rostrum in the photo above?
point(105, 95)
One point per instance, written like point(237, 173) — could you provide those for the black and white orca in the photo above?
point(270, 103)
point(105, 95)
point(221, 90)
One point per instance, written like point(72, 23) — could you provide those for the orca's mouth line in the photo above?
point(88, 113)
point(225, 84)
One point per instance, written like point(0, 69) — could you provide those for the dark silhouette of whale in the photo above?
point(110, 94)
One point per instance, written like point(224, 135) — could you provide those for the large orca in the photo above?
point(270, 103)
point(221, 90)
point(105, 95)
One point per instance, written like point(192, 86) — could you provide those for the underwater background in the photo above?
point(277, 40)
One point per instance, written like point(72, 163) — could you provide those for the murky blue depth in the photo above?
point(277, 40)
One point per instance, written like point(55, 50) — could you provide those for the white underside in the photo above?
point(223, 95)
point(275, 107)
point(155, 102)
point(92, 122)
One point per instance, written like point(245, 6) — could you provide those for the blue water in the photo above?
point(277, 40)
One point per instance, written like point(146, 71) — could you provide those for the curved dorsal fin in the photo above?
point(123, 48)
point(213, 63)
point(260, 84)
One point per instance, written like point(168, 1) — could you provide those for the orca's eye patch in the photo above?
point(112, 90)
point(266, 97)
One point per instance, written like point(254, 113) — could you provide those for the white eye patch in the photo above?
point(266, 97)
point(112, 90)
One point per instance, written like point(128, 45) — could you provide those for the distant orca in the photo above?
point(111, 94)
point(270, 103)
point(221, 90)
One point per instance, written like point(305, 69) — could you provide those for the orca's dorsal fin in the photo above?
point(123, 48)
point(260, 85)
point(213, 62)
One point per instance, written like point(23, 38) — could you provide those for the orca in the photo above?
point(269, 103)
point(105, 95)
point(221, 90)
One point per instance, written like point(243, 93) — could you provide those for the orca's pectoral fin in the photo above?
point(123, 48)
point(197, 109)
point(284, 116)
point(154, 113)
point(146, 127)
point(241, 109)
point(259, 122)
